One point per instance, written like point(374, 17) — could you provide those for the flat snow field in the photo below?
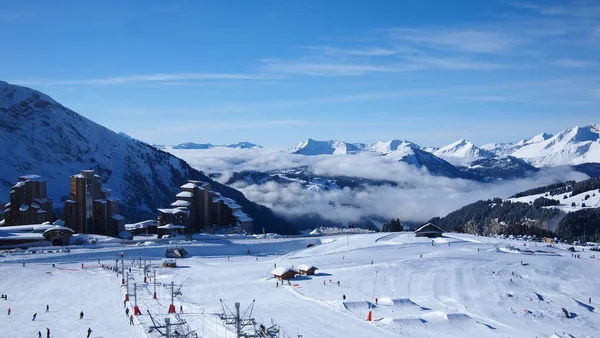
point(462, 286)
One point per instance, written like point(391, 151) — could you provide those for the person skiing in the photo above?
point(89, 332)
point(47, 308)
point(276, 284)
point(39, 334)
point(376, 300)
point(47, 333)
point(82, 265)
point(9, 311)
point(590, 300)
point(34, 315)
point(127, 312)
point(81, 315)
point(23, 264)
point(338, 283)
point(180, 308)
point(130, 319)
point(344, 297)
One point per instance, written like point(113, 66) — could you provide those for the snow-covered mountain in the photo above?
point(505, 149)
point(499, 167)
point(571, 146)
point(462, 152)
point(331, 147)
point(192, 145)
point(40, 136)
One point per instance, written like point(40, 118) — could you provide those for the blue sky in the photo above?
point(278, 72)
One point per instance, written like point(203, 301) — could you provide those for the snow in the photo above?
point(571, 146)
point(454, 290)
point(242, 216)
point(24, 207)
point(281, 271)
point(331, 147)
point(171, 226)
point(185, 194)
point(188, 186)
point(566, 200)
point(462, 152)
point(181, 203)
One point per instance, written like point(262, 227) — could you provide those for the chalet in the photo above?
point(284, 273)
point(429, 230)
point(305, 269)
point(169, 263)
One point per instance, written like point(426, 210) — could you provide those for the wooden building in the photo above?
point(284, 273)
point(169, 263)
point(306, 269)
point(429, 230)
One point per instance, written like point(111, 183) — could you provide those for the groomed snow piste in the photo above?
point(455, 286)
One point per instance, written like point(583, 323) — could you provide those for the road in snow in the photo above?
point(454, 290)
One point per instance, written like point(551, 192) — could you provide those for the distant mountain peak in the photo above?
point(329, 147)
point(462, 152)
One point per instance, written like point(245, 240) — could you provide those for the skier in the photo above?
point(39, 334)
point(23, 264)
point(81, 315)
point(590, 300)
point(344, 297)
point(276, 284)
point(47, 333)
point(34, 315)
point(421, 256)
point(180, 308)
point(127, 312)
point(89, 332)
point(477, 249)
point(376, 300)
point(9, 311)
point(130, 319)
point(338, 283)
point(82, 265)
point(323, 282)
point(53, 265)
point(371, 262)
point(274, 265)
point(47, 308)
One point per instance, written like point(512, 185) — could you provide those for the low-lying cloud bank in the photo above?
point(419, 197)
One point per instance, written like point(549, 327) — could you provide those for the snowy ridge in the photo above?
point(331, 147)
point(571, 146)
point(192, 145)
point(462, 152)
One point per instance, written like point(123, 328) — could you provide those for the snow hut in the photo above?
point(429, 230)
point(284, 273)
point(169, 263)
point(305, 269)
point(175, 252)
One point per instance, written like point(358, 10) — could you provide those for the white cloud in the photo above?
point(419, 196)
point(572, 63)
point(364, 51)
point(311, 68)
point(157, 77)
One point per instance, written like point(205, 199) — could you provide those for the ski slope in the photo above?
point(455, 286)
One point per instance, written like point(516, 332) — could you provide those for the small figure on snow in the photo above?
point(89, 332)
point(53, 265)
point(323, 282)
point(9, 311)
point(371, 262)
point(23, 264)
point(34, 315)
point(47, 333)
point(47, 308)
point(276, 284)
point(590, 300)
point(127, 312)
point(180, 308)
point(130, 319)
point(376, 301)
point(338, 283)
point(82, 265)
point(81, 315)
point(344, 297)
point(39, 334)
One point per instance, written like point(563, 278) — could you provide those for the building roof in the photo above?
point(31, 177)
point(169, 261)
point(101, 200)
point(19, 184)
point(78, 176)
point(24, 207)
point(59, 228)
point(173, 211)
point(117, 217)
point(429, 227)
point(306, 267)
point(188, 186)
point(280, 271)
point(70, 201)
point(180, 203)
point(43, 200)
point(184, 194)
point(41, 211)
point(112, 199)
point(105, 190)
point(141, 225)
point(242, 216)
point(7, 205)
point(171, 226)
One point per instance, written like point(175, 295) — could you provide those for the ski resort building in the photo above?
point(284, 273)
point(429, 230)
point(91, 208)
point(34, 235)
point(198, 208)
point(29, 203)
point(305, 269)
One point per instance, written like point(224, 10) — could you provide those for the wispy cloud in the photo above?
point(452, 63)
point(581, 10)
point(364, 51)
point(216, 125)
point(572, 63)
point(333, 69)
point(157, 78)
point(462, 40)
